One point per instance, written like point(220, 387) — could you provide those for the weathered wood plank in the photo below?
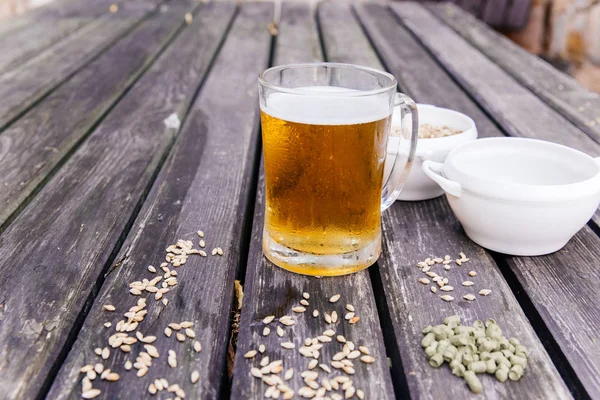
point(32, 147)
point(416, 230)
point(563, 287)
point(24, 86)
point(518, 111)
point(204, 184)
point(344, 37)
point(559, 90)
point(45, 28)
point(52, 256)
point(417, 73)
point(270, 290)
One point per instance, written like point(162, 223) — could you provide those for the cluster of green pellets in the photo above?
point(477, 349)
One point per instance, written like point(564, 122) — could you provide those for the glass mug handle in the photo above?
point(405, 150)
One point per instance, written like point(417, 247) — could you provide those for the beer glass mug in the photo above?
point(325, 129)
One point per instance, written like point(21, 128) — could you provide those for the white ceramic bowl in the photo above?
point(418, 186)
point(519, 196)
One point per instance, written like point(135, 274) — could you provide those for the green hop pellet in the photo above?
point(515, 373)
point(430, 351)
point(452, 319)
point(478, 324)
point(460, 340)
point(458, 370)
point(467, 359)
point(427, 329)
point(440, 332)
point(507, 353)
point(521, 349)
point(436, 360)
point(428, 339)
point(489, 322)
point(516, 360)
point(501, 374)
point(450, 353)
point(473, 382)
point(479, 367)
point(503, 361)
point(485, 356)
point(443, 345)
point(488, 346)
point(514, 341)
point(491, 366)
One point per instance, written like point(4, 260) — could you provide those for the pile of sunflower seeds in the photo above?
point(443, 282)
point(476, 349)
point(336, 384)
point(127, 335)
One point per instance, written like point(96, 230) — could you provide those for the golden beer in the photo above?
point(323, 179)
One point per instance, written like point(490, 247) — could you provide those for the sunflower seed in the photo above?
point(86, 368)
point(447, 297)
point(360, 394)
point(264, 362)
point(153, 351)
point(469, 297)
point(433, 289)
point(201, 234)
point(472, 273)
point(112, 377)
point(354, 319)
point(105, 353)
point(109, 307)
point(180, 337)
point(334, 298)
point(329, 332)
point(250, 354)
point(334, 317)
point(353, 354)
point(190, 333)
point(288, 374)
point(426, 269)
point(312, 364)
point(128, 365)
point(468, 283)
point(287, 320)
point(304, 302)
point(315, 313)
point(268, 319)
point(431, 274)
point(298, 309)
point(325, 368)
point(363, 349)
point(424, 281)
point(447, 288)
point(98, 368)
point(174, 326)
point(255, 372)
point(367, 359)
point(288, 345)
point(90, 394)
point(485, 292)
point(195, 376)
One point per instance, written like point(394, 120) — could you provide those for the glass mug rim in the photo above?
point(263, 81)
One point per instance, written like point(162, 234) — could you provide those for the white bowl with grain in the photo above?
point(440, 131)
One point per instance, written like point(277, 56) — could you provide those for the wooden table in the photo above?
point(95, 187)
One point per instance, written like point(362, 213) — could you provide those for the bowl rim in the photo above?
point(441, 144)
point(520, 192)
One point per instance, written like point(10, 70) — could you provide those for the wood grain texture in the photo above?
point(33, 34)
point(559, 90)
point(416, 230)
point(204, 184)
point(24, 86)
point(563, 288)
point(339, 35)
point(518, 111)
point(54, 253)
point(31, 148)
point(417, 73)
point(270, 290)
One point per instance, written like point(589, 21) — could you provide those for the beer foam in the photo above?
point(327, 109)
